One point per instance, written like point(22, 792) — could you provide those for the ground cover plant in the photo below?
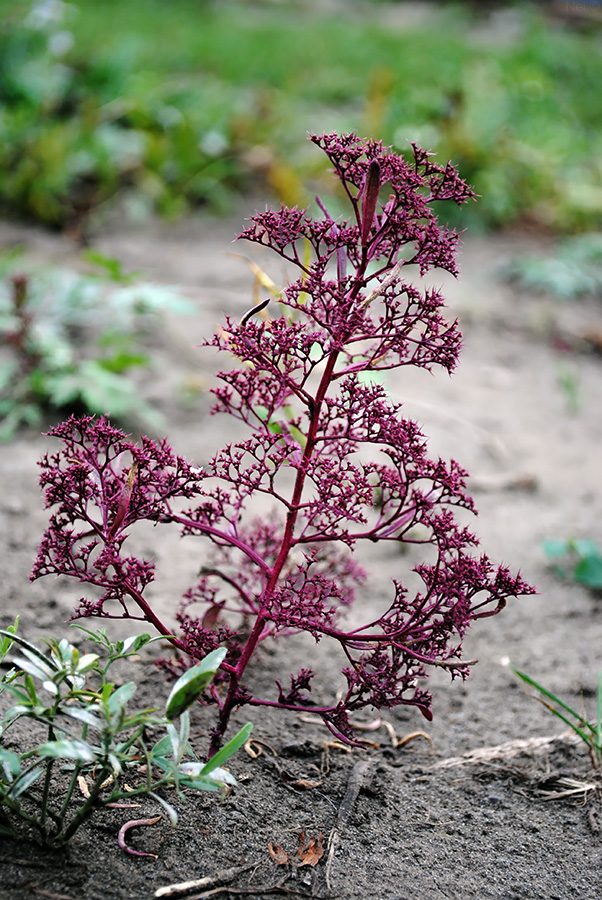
point(72, 341)
point(334, 457)
point(94, 109)
point(105, 752)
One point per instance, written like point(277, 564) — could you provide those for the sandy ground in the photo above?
point(425, 824)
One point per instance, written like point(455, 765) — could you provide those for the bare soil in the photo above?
point(421, 820)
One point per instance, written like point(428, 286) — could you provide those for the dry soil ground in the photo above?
point(445, 822)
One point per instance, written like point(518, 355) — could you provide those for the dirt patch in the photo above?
point(476, 827)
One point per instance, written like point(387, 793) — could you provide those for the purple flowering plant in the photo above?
point(334, 455)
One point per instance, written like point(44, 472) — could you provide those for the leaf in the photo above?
point(24, 783)
point(83, 715)
point(310, 853)
point(162, 748)
point(277, 853)
point(190, 686)
point(223, 776)
point(589, 572)
point(175, 742)
point(555, 548)
point(118, 699)
point(36, 669)
point(228, 750)
point(171, 812)
point(8, 637)
point(10, 763)
point(585, 547)
point(79, 750)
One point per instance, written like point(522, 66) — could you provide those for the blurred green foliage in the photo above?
point(175, 104)
point(71, 342)
point(578, 559)
point(573, 270)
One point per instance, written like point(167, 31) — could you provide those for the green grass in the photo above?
point(521, 119)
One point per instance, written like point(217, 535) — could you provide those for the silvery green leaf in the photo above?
point(190, 769)
point(35, 667)
point(22, 784)
point(10, 763)
point(189, 687)
point(83, 715)
point(222, 776)
point(86, 662)
point(184, 731)
point(163, 747)
point(173, 816)
point(120, 697)
point(175, 741)
point(51, 687)
point(115, 764)
point(64, 749)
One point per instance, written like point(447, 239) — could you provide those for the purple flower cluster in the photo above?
point(335, 457)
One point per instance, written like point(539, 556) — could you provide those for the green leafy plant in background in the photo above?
point(85, 749)
point(77, 129)
point(577, 559)
point(589, 732)
point(93, 107)
point(574, 270)
point(72, 341)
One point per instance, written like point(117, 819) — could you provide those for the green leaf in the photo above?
point(109, 266)
point(132, 644)
point(228, 749)
point(8, 637)
point(162, 748)
point(585, 547)
point(555, 548)
point(175, 741)
point(190, 686)
point(118, 699)
point(589, 572)
point(83, 715)
point(173, 816)
point(79, 750)
point(36, 668)
point(24, 783)
point(10, 763)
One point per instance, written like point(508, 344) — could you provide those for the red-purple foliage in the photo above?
point(335, 456)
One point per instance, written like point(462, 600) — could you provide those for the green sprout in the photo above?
point(589, 732)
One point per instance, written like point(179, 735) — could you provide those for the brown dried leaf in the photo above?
point(310, 853)
point(279, 855)
point(305, 784)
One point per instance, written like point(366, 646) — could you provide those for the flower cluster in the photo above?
point(337, 459)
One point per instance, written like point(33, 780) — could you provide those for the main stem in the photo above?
point(232, 697)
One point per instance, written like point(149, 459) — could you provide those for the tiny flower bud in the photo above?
point(369, 200)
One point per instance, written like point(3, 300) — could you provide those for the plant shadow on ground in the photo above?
point(417, 827)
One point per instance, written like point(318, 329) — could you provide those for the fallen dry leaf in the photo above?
point(279, 855)
point(310, 853)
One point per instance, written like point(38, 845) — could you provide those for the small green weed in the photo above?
point(89, 751)
point(581, 561)
point(589, 732)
